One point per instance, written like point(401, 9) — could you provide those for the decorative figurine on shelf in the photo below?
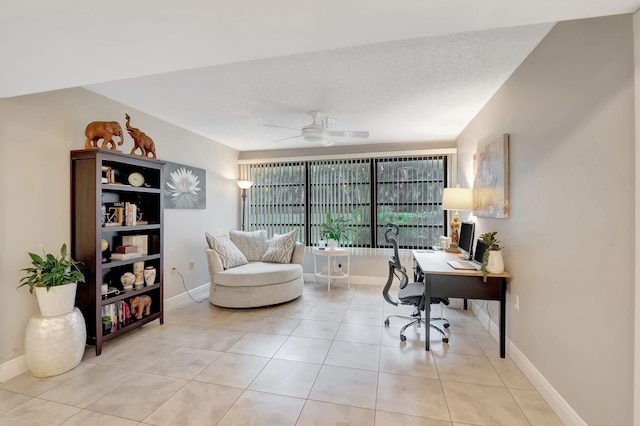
point(140, 140)
point(104, 130)
point(128, 280)
point(139, 304)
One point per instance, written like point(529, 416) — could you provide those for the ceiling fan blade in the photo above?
point(284, 139)
point(280, 127)
point(349, 134)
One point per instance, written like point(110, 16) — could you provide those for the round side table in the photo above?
point(55, 345)
point(330, 274)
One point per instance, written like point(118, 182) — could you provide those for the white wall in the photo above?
point(570, 239)
point(36, 134)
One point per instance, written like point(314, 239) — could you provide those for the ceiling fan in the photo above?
point(318, 130)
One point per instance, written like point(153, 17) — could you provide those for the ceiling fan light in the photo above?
point(314, 135)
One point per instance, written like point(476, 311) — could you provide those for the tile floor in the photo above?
point(324, 359)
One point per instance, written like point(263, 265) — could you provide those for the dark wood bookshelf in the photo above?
point(88, 194)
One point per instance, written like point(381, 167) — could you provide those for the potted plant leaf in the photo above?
point(492, 262)
point(335, 230)
point(54, 279)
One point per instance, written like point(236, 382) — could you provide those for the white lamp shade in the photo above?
point(244, 184)
point(457, 199)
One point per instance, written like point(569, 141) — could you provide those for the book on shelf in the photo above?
point(124, 256)
point(127, 249)
point(131, 214)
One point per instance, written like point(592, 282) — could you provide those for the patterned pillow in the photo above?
point(281, 248)
point(251, 244)
point(229, 254)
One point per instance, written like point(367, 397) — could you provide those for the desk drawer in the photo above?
point(464, 287)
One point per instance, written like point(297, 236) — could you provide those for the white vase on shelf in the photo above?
point(149, 275)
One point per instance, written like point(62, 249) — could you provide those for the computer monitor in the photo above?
point(465, 242)
point(481, 247)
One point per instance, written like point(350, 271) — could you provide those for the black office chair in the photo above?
point(409, 293)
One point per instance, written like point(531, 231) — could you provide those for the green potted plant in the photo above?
point(492, 262)
point(54, 279)
point(335, 230)
point(106, 324)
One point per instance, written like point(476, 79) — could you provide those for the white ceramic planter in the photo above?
point(495, 263)
point(333, 244)
point(54, 345)
point(58, 300)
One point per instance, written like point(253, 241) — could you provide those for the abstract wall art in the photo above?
point(491, 179)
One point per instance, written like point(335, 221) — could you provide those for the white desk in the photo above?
point(331, 273)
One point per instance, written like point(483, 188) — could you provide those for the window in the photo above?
point(343, 189)
point(367, 192)
point(409, 193)
point(277, 198)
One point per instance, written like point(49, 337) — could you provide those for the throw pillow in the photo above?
point(281, 248)
point(251, 244)
point(229, 254)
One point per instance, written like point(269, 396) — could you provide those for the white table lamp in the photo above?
point(457, 199)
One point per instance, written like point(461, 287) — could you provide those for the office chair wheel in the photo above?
point(403, 338)
point(446, 325)
point(445, 340)
point(386, 322)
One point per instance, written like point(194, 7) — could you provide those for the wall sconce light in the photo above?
point(456, 199)
point(244, 185)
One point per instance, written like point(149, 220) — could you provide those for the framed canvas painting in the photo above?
point(491, 179)
point(184, 187)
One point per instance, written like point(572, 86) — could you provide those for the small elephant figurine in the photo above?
point(140, 141)
point(104, 130)
point(140, 304)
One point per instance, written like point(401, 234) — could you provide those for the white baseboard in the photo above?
point(561, 407)
point(198, 293)
point(354, 280)
point(12, 368)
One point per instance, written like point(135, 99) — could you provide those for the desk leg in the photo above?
point(503, 314)
point(328, 273)
point(427, 310)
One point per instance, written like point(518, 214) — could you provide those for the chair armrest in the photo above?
point(298, 253)
point(214, 262)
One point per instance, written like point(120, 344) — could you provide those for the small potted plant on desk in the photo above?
point(492, 261)
point(54, 280)
point(334, 230)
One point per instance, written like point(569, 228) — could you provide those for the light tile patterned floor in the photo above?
point(324, 359)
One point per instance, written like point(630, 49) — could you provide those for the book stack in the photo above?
point(131, 214)
point(125, 252)
point(119, 312)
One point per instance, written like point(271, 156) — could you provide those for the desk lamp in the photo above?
point(456, 199)
point(244, 185)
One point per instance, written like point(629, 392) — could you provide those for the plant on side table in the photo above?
point(492, 262)
point(334, 230)
point(54, 279)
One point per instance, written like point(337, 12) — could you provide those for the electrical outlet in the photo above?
point(192, 264)
point(516, 302)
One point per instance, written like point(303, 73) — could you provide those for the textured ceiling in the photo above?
point(415, 70)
